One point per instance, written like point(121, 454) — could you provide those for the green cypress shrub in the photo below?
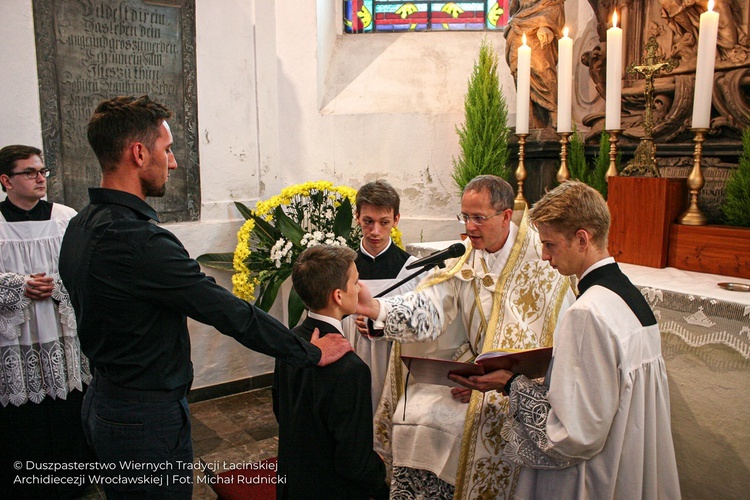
point(484, 135)
point(601, 165)
point(577, 166)
point(736, 206)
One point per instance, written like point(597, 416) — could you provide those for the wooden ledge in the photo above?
point(712, 249)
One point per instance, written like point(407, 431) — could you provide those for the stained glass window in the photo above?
point(369, 16)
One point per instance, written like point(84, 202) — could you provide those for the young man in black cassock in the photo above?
point(380, 263)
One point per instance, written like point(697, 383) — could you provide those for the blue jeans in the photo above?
point(144, 448)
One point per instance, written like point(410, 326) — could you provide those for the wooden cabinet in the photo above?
point(644, 232)
point(642, 210)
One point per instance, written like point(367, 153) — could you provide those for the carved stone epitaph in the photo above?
point(91, 50)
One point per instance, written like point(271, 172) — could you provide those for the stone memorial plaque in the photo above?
point(91, 50)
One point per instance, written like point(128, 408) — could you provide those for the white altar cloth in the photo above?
point(686, 282)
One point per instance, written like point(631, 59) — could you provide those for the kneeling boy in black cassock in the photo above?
point(325, 415)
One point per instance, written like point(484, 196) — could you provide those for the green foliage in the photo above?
point(736, 206)
point(598, 179)
point(579, 168)
point(577, 165)
point(484, 135)
point(221, 261)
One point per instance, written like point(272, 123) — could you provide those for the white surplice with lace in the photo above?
point(40, 354)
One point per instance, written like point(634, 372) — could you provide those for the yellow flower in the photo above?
point(313, 207)
point(396, 237)
point(243, 286)
point(242, 251)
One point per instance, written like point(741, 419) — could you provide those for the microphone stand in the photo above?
point(408, 278)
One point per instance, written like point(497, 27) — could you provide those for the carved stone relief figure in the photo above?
point(596, 61)
point(683, 18)
point(542, 22)
point(596, 58)
point(675, 25)
point(603, 12)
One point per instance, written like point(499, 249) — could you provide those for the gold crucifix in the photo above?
point(644, 162)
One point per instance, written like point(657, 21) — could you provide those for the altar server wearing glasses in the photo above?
point(43, 373)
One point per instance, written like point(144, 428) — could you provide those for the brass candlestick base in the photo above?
point(612, 170)
point(693, 215)
point(520, 202)
point(563, 174)
point(643, 163)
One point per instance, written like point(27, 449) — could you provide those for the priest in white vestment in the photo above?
point(505, 297)
point(599, 426)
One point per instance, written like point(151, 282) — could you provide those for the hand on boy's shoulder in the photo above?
point(332, 347)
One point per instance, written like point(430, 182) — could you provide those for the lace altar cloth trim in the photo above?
point(30, 373)
point(701, 321)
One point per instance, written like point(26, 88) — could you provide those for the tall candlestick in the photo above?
point(704, 67)
point(614, 75)
point(563, 174)
point(520, 201)
point(564, 82)
point(612, 170)
point(523, 88)
point(693, 215)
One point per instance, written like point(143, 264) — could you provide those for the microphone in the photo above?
point(455, 250)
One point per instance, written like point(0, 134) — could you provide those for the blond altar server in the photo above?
point(504, 296)
point(599, 425)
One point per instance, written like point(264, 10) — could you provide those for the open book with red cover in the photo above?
point(530, 362)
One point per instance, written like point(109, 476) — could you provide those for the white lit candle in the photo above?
point(564, 82)
point(523, 88)
point(704, 68)
point(614, 75)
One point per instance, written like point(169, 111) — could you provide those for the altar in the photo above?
point(706, 346)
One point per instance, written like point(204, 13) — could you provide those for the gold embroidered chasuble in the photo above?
point(518, 301)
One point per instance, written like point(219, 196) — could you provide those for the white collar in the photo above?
point(362, 249)
point(327, 319)
point(503, 253)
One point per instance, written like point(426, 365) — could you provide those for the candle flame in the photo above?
point(710, 5)
point(565, 32)
point(524, 38)
point(614, 19)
